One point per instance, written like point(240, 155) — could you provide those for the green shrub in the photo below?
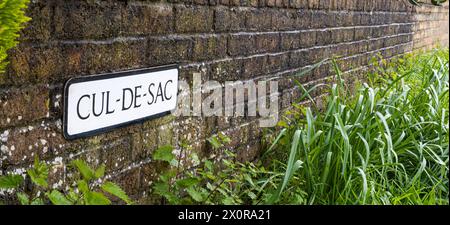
point(225, 181)
point(387, 144)
point(12, 19)
point(85, 191)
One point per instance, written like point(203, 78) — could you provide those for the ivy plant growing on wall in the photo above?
point(12, 19)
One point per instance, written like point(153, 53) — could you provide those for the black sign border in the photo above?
point(104, 76)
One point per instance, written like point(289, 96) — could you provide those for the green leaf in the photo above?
point(37, 179)
point(100, 172)
point(438, 2)
point(228, 201)
point(214, 142)
point(414, 2)
point(83, 186)
point(224, 138)
point(292, 166)
point(96, 198)
point(282, 123)
point(167, 175)
point(72, 196)
point(37, 201)
point(197, 196)
point(187, 182)
point(195, 159)
point(162, 189)
point(10, 181)
point(251, 195)
point(57, 198)
point(84, 169)
point(115, 190)
point(164, 153)
point(39, 173)
point(209, 165)
point(23, 198)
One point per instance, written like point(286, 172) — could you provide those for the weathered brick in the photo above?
point(190, 130)
point(35, 63)
point(254, 3)
point(230, 2)
point(362, 33)
point(324, 4)
point(303, 19)
point(20, 106)
point(201, 2)
point(307, 39)
point(270, 3)
point(47, 63)
point(193, 19)
point(258, 20)
point(254, 66)
point(40, 27)
point(116, 154)
point(313, 4)
point(147, 19)
point(299, 4)
point(241, 44)
point(290, 41)
point(249, 152)
point(166, 135)
point(148, 175)
point(226, 70)
point(376, 44)
point(321, 19)
point(226, 19)
point(284, 20)
point(130, 182)
point(341, 19)
point(324, 37)
point(187, 72)
point(20, 145)
point(115, 56)
point(299, 59)
point(277, 62)
point(166, 51)
point(377, 32)
point(207, 48)
point(80, 19)
point(147, 142)
point(267, 42)
point(342, 35)
point(91, 154)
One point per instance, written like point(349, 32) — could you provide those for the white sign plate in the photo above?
point(99, 103)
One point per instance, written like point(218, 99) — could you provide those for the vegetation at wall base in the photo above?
point(12, 19)
point(33, 188)
point(388, 143)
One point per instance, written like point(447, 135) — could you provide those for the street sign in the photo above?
point(100, 103)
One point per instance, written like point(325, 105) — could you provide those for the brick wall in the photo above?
point(221, 39)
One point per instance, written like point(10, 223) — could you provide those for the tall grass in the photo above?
point(388, 143)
